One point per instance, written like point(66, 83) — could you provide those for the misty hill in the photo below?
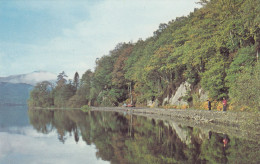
point(30, 78)
point(14, 94)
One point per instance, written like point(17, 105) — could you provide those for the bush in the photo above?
point(85, 108)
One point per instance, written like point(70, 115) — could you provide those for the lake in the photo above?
point(73, 136)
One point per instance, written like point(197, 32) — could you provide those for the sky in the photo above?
point(68, 35)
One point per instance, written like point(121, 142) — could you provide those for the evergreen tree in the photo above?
point(76, 80)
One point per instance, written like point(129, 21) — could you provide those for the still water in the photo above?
point(50, 137)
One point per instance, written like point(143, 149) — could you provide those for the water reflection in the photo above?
point(21, 143)
point(123, 138)
point(11, 116)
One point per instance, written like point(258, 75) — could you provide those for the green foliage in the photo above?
point(110, 97)
point(46, 95)
point(245, 90)
point(213, 79)
point(76, 101)
point(244, 59)
point(41, 95)
point(85, 108)
point(62, 94)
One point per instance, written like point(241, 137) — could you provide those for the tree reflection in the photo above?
point(41, 120)
point(130, 139)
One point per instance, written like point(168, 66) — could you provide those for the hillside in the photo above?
point(210, 54)
point(30, 78)
point(14, 94)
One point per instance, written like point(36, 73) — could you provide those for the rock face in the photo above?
point(153, 104)
point(149, 103)
point(203, 95)
point(176, 99)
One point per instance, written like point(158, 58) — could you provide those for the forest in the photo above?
point(215, 48)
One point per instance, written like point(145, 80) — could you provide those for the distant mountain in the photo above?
point(30, 78)
point(14, 94)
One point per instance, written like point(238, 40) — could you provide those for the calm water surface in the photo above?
point(28, 138)
point(38, 136)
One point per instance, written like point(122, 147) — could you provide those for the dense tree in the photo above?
point(41, 95)
point(63, 91)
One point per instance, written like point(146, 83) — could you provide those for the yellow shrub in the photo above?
point(184, 106)
point(166, 107)
point(204, 105)
point(219, 106)
point(175, 106)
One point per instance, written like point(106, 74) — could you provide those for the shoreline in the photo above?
point(241, 124)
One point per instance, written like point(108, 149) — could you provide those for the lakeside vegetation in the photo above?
point(215, 48)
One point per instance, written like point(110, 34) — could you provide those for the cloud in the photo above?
point(91, 31)
point(39, 76)
point(112, 22)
